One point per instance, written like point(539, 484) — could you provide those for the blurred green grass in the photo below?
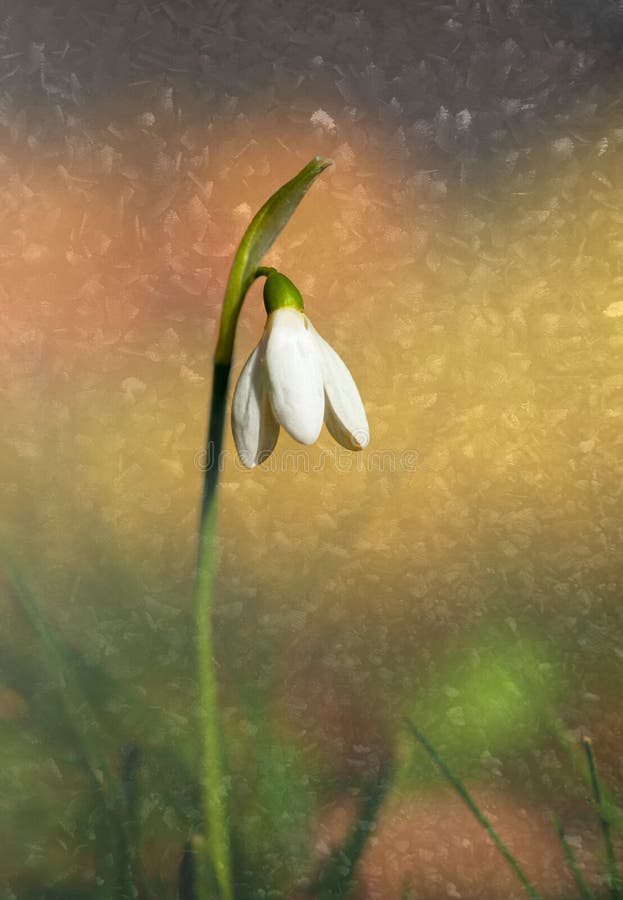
point(487, 709)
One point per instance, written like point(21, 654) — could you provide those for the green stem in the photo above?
point(257, 240)
point(212, 775)
point(212, 771)
point(613, 869)
point(466, 797)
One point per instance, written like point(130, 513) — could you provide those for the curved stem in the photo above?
point(257, 240)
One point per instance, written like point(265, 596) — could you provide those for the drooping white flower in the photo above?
point(294, 379)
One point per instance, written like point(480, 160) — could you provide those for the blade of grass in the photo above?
point(471, 804)
point(186, 874)
point(80, 720)
point(604, 818)
point(129, 844)
point(75, 708)
point(574, 868)
point(577, 757)
point(131, 760)
point(336, 880)
point(134, 716)
point(573, 752)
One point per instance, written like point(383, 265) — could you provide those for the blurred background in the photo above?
point(463, 255)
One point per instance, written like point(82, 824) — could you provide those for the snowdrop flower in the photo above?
point(295, 379)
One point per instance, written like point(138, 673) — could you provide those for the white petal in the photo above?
point(294, 374)
point(252, 421)
point(345, 416)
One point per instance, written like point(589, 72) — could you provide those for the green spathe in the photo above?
point(259, 237)
point(279, 292)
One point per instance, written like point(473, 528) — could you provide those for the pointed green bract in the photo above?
point(259, 237)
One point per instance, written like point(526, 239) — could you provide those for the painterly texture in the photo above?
point(463, 256)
